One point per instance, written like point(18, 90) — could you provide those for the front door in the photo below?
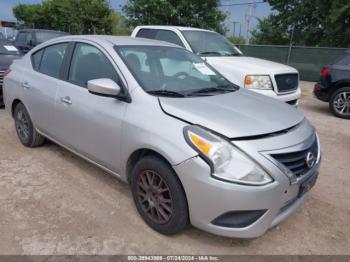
point(90, 124)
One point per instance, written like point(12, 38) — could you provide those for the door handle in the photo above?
point(66, 100)
point(26, 85)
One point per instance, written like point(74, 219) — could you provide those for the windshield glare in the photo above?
point(8, 49)
point(171, 69)
point(210, 43)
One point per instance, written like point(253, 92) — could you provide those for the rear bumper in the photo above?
point(321, 93)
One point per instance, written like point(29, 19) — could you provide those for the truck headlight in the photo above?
point(257, 82)
point(227, 162)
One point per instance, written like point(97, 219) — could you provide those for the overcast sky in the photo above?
point(236, 9)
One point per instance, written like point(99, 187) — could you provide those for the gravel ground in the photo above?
point(52, 202)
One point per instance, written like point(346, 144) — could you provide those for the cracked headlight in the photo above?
point(227, 161)
point(257, 82)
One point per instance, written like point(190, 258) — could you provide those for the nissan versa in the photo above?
point(194, 147)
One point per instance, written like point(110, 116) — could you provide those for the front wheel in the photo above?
point(339, 103)
point(159, 196)
point(26, 132)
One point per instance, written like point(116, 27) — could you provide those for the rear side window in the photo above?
point(21, 38)
point(36, 59)
point(52, 59)
point(168, 36)
point(90, 63)
point(147, 33)
point(161, 35)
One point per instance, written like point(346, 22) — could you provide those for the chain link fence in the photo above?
point(307, 60)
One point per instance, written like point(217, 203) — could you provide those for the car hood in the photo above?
point(235, 115)
point(249, 65)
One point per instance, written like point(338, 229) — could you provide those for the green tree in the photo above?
point(74, 16)
point(237, 40)
point(196, 13)
point(315, 23)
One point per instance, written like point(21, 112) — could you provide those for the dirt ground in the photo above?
point(52, 202)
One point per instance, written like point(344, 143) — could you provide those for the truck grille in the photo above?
point(296, 161)
point(287, 82)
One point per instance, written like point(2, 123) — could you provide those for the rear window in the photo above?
point(345, 60)
point(41, 37)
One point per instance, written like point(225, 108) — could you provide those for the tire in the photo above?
point(26, 132)
point(167, 217)
point(339, 103)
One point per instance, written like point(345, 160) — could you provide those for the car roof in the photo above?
point(41, 30)
point(114, 40)
point(180, 28)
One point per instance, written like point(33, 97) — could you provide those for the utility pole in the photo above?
point(234, 27)
point(248, 17)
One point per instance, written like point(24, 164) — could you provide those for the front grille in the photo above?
point(286, 82)
point(296, 161)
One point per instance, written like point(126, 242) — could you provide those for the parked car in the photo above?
point(334, 86)
point(8, 53)
point(265, 77)
point(194, 147)
point(26, 39)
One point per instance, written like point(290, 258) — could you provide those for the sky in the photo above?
point(236, 10)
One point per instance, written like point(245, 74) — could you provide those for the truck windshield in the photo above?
point(205, 43)
point(171, 71)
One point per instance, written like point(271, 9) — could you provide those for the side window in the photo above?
point(168, 36)
point(36, 59)
point(146, 33)
point(90, 63)
point(21, 38)
point(52, 59)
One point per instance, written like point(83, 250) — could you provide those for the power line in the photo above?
point(250, 3)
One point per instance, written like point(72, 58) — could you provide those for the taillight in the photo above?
point(317, 87)
point(7, 71)
point(325, 72)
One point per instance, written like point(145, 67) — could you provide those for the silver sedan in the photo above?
point(194, 147)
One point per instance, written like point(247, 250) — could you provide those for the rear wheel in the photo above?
point(159, 196)
point(24, 127)
point(340, 103)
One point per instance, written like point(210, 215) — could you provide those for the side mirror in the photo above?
point(104, 87)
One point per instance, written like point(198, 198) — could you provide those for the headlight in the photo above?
point(257, 82)
point(227, 161)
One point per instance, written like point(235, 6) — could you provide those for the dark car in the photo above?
point(28, 38)
point(8, 53)
point(334, 86)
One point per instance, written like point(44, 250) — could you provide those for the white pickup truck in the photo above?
point(265, 77)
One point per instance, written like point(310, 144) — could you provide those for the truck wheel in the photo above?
point(159, 196)
point(339, 103)
point(26, 132)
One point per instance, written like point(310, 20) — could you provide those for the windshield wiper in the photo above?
point(165, 93)
point(209, 53)
point(212, 89)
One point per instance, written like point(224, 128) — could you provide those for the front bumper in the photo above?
point(209, 198)
point(290, 98)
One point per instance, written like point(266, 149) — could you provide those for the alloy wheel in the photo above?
point(22, 125)
point(154, 196)
point(341, 103)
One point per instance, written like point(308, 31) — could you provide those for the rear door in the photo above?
point(40, 84)
point(87, 123)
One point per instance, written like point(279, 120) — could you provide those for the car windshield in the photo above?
point(205, 43)
point(7, 48)
point(41, 37)
point(171, 71)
